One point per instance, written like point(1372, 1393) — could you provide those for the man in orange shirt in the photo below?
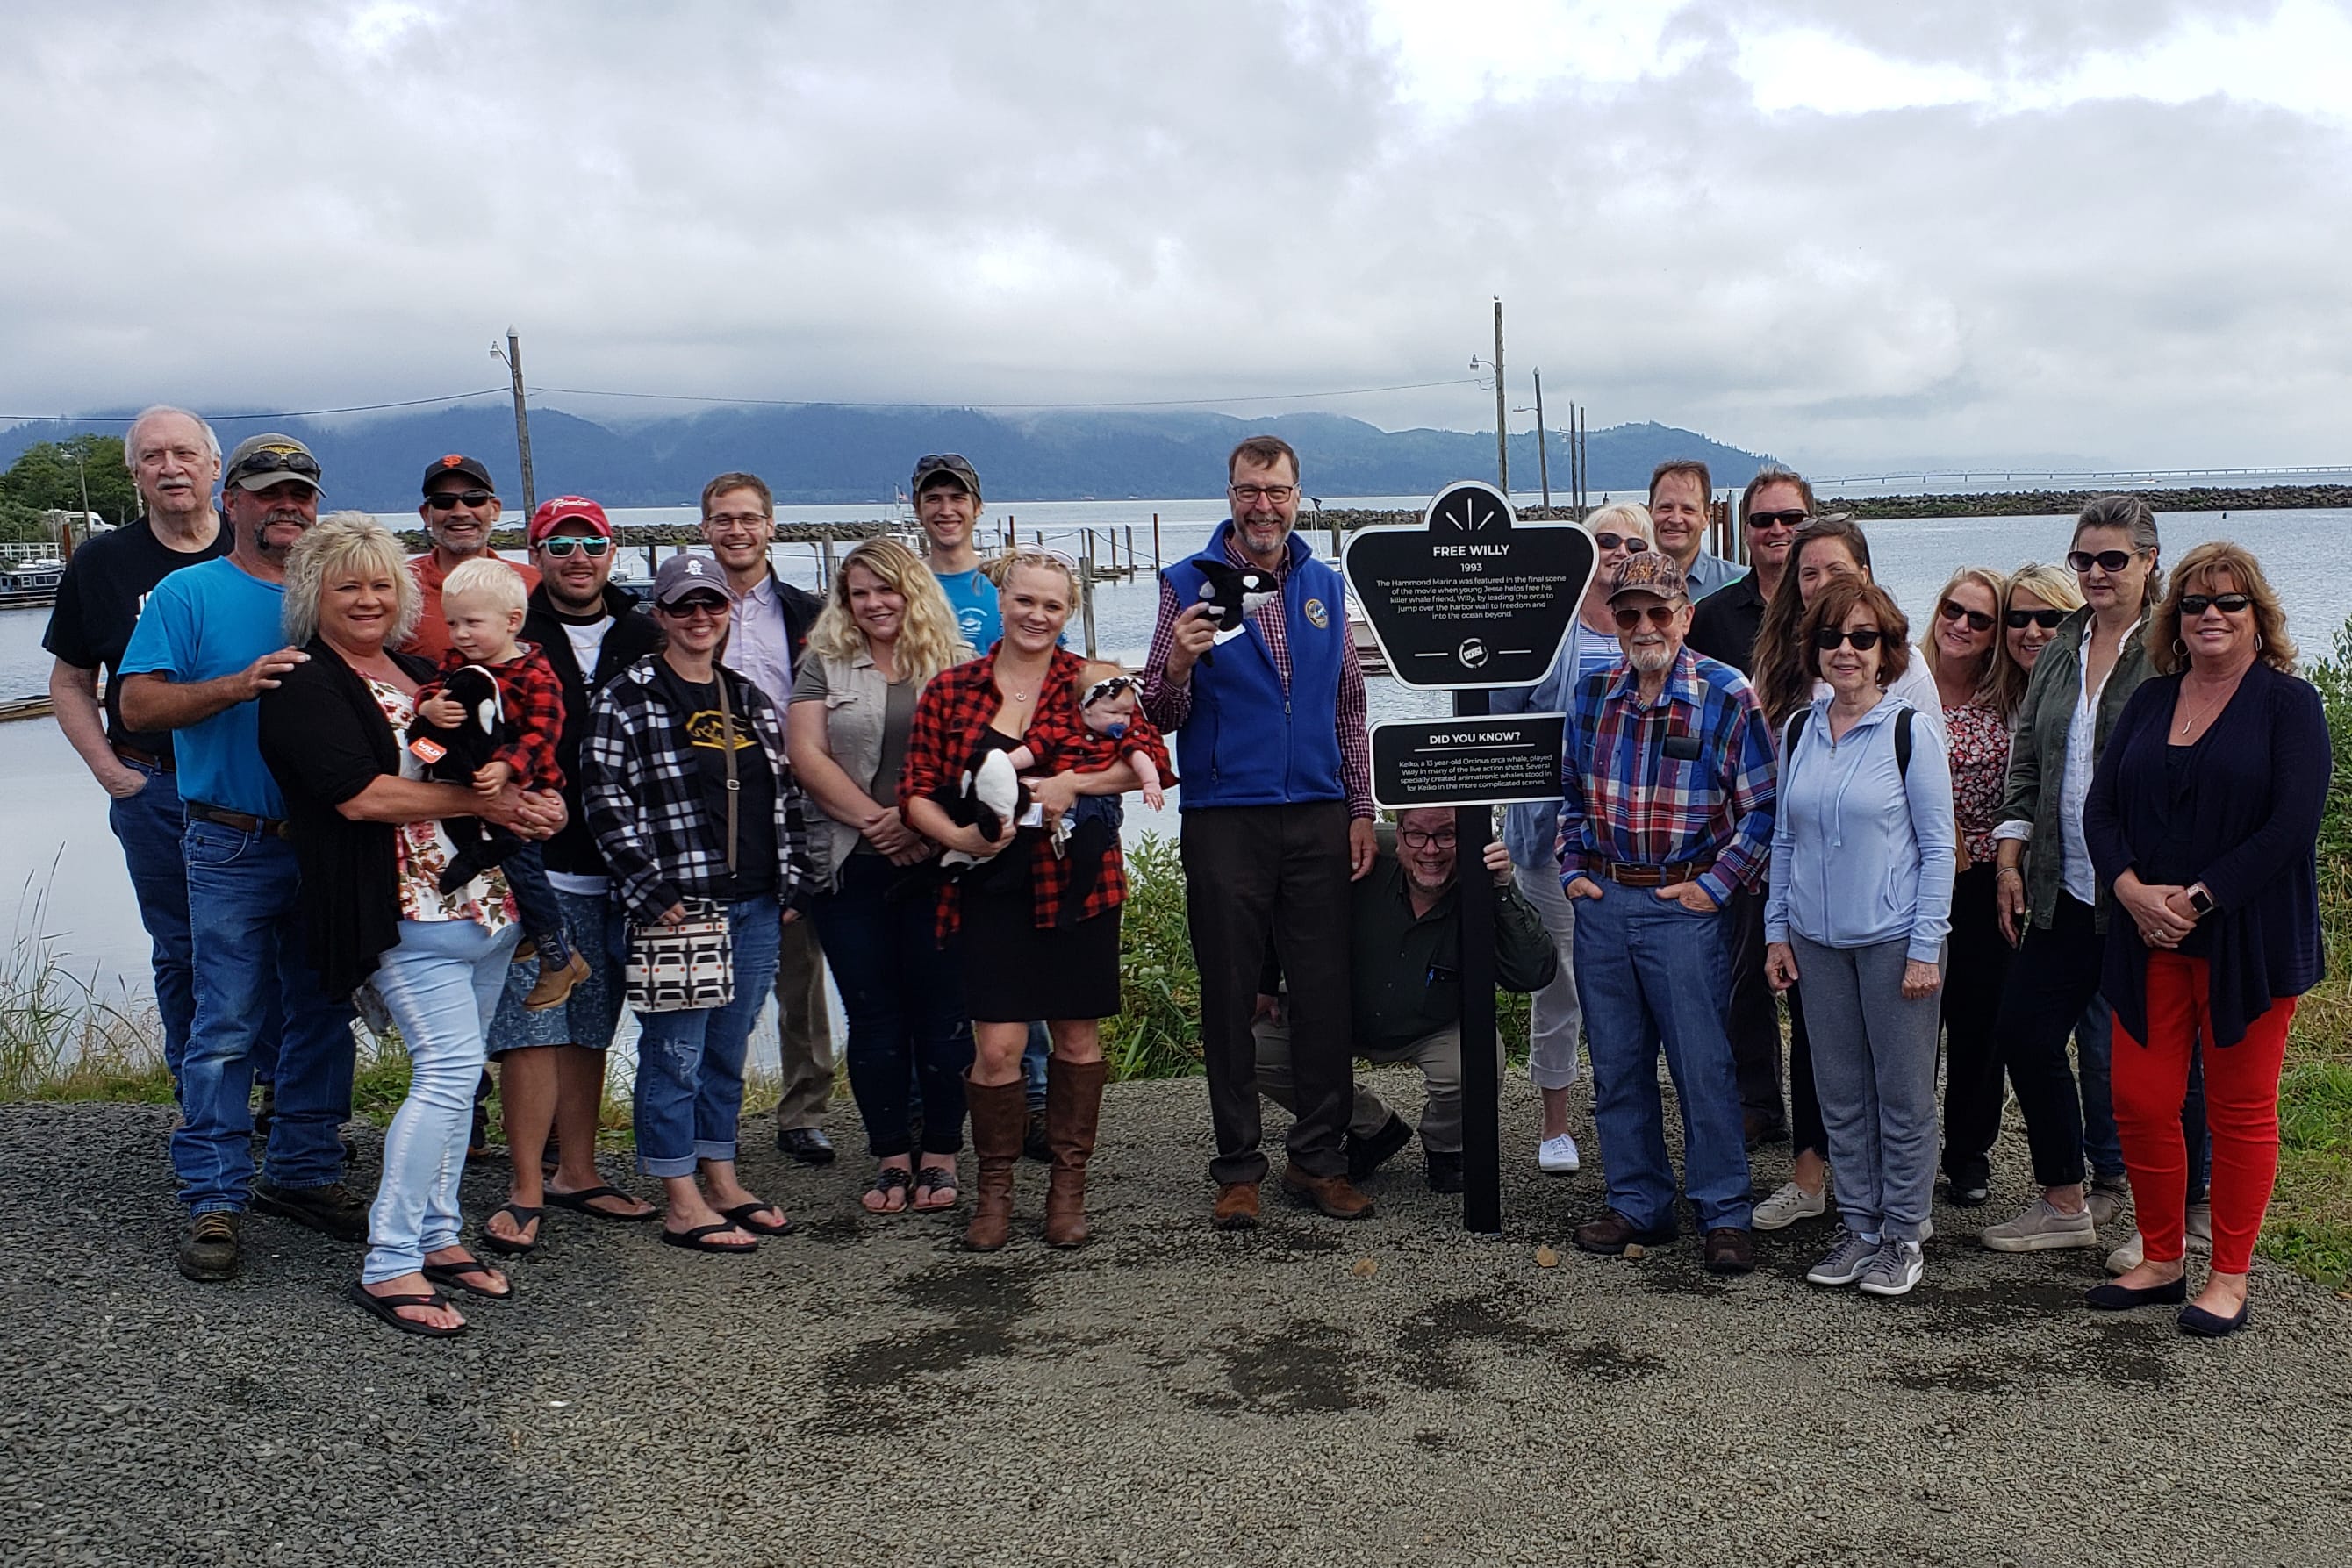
point(460, 509)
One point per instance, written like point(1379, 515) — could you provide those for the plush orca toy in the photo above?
point(1232, 595)
point(454, 757)
point(986, 795)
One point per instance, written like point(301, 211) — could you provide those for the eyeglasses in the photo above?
point(1658, 615)
point(277, 461)
point(1423, 838)
point(1759, 521)
point(1626, 542)
point(701, 605)
point(1864, 638)
point(450, 500)
point(563, 545)
point(1277, 494)
point(2081, 561)
point(2195, 605)
point(735, 519)
point(1977, 620)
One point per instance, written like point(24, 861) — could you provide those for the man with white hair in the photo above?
point(1667, 810)
point(174, 460)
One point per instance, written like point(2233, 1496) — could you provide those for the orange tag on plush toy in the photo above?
point(428, 751)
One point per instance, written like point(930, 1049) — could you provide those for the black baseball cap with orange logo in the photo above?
point(463, 467)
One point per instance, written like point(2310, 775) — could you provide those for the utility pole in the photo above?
point(512, 355)
point(1543, 458)
point(1502, 424)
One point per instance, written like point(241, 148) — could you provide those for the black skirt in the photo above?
point(1015, 972)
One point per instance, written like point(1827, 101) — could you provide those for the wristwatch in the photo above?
point(2201, 900)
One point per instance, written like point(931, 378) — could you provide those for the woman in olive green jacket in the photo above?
point(2049, 900)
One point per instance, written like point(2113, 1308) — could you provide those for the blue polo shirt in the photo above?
point(200, 623)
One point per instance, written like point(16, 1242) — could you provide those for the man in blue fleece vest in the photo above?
point(1277, 802)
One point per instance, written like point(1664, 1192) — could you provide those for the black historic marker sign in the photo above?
point(1467, 761)
point(1473, 599)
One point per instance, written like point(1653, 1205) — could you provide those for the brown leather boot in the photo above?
point(998, 1113)
point(1073, 1107)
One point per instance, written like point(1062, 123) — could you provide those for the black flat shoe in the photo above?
point(2114, 1298)
point(2202, 1324)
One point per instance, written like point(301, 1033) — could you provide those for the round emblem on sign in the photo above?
point(1473, 653)
point(1317, 616)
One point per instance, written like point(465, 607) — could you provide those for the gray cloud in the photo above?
point(986, 203)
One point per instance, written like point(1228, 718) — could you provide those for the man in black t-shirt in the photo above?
point(174, 460)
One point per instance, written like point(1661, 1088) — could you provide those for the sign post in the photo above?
point(1470, 601)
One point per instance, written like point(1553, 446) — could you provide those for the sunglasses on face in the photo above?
point(1759, 521)
point(2081, 561)
point(1423, 838)
point(300, 464)
point(2192, 605)
point(450, 500)
point(1977, 620)
point(698, 606)
point(2048, 619)
point(1864, 638)
point(1626, 542)
point(1659, 615)
point(563, 545)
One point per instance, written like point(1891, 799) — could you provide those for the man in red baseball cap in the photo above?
point(460, 509)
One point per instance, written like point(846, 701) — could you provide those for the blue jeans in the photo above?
point(149, 826)
point(440, 985)
point(246, 948)
point(1652, 973)
point(1033, 1065)
point(534, 896)
point(690, 1064)
point(904, 995)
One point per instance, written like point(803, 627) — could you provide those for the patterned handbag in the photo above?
point(690, 965)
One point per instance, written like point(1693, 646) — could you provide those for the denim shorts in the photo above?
point(589, 1015)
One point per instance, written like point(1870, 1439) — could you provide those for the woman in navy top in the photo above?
point(2204, 818)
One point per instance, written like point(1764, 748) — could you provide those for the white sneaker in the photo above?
point(1789, 1204)
point(1557, 1155)
point(2200, 1228)
point(2128, 1256)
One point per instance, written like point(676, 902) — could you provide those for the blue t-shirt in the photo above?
point(973, 599)
point(200, 623)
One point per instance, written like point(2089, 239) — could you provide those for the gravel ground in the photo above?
point(866, 1392)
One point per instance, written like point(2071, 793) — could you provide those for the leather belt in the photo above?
point(242, 821)
point(1625, 874)
point(145, 759)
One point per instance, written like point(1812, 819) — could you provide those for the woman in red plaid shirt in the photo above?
point(1025, 957)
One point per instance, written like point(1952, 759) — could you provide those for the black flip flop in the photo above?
point(698, 1239)
point(499, 1244)
point(887, 1180)
point(385, 1309)
point(581, 1203)
point(741, 1217)
point(931, 1179)
point(455, 1276)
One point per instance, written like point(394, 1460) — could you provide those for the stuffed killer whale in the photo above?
point(1231, 593)
point(454, 757)
point(986, 795)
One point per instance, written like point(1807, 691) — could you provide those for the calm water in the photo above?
point(60, 849)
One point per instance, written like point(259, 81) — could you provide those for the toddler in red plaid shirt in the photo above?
point(483, 601)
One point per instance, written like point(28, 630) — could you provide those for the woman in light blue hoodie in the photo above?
point(1861, 903)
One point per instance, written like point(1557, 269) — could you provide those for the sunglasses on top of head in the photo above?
point(1952, 609)
point(563, 545)
point(1864, 638)
point(2048, 619)
point(299, 464)
point(2081, 561)
point(449, 500)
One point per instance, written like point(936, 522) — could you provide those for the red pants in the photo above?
point(2241, 1086)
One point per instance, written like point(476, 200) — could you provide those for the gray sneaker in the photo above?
point(1894, 1268)
point(2041, 1228)
point(1845, 1262)
point(2107, 1200)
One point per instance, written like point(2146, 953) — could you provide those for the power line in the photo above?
point(1135, 402)
point(228, 418)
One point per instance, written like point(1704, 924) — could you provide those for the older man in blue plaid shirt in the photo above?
point(1668, 808)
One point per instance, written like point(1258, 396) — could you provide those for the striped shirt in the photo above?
point(1628, 798)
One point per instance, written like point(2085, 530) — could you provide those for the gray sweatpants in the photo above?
point(1874, 1068)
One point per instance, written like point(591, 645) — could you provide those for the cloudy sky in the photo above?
point(1852, 231)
